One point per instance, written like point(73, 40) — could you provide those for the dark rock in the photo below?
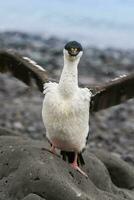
point(29, 171)
point(33, 197)
point(121, 173)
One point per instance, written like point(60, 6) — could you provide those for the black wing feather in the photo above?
point(22, 68)
point(113, 93)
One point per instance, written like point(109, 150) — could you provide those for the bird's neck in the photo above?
point(68, 83)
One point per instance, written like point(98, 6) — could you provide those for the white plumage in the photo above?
point(66, 108)
point(66, 119)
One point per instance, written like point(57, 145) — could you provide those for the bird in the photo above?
point(67, 106)
point(65, 109)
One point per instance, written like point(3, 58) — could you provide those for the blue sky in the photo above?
point(94, 22)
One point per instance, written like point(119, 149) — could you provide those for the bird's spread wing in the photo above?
point(112, 93)
point(105, 96)
point(22, 68)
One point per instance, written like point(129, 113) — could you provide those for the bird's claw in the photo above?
point(75, 166)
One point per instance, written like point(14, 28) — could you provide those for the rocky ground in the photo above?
point(28, 171)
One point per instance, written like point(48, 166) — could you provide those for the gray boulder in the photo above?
point(29, 171)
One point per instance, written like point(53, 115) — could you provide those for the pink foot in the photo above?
point(52, 149)
point(79, 169)
point(75, 166)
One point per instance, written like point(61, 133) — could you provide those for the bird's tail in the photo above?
point(69, 156)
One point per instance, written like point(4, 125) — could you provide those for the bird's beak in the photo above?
point(73, 52)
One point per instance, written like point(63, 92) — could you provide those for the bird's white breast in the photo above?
point(66, 119)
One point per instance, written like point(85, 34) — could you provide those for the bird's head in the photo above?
point(73, 51)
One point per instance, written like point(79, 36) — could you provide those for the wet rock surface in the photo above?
point(28, 171)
